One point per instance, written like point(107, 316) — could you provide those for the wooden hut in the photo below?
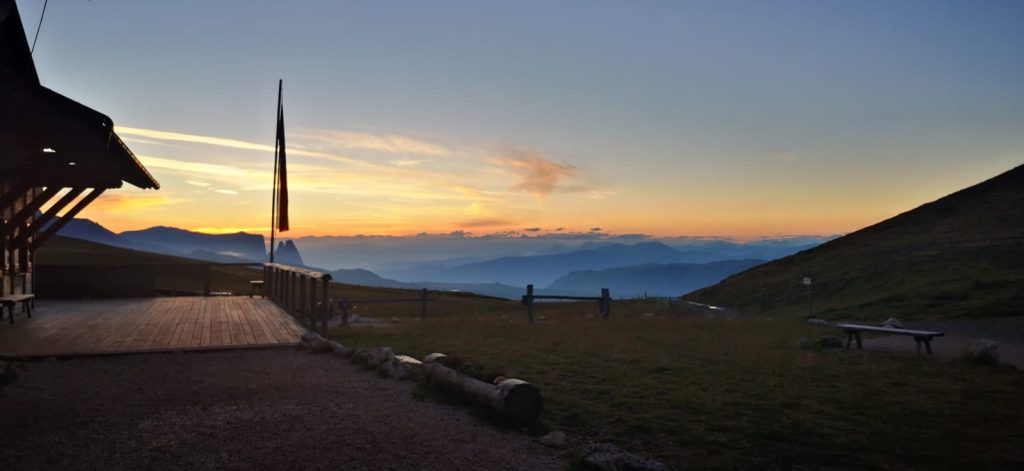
point(56, 157)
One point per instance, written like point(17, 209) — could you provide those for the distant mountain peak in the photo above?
point(288, 254)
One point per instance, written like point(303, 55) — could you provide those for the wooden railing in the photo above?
point(305, 294)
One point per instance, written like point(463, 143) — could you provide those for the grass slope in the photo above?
point(701, 393)
point(959, 256)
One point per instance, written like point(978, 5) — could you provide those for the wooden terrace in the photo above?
point(137, 325)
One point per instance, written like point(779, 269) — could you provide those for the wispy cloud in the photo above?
point(232, 143)
point(537, 174)
point(225, 191)
point(330, 139)
point(486, 222)
point(406, 162)
point(197, 183)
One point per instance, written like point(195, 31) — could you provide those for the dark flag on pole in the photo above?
point(282, 169)
point(279, 197)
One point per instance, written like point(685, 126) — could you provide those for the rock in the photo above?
point(828, 341)
point(359, 356)
point(804, 344)
point(315, 343)
point(554, 440)
point(378, 356)
point(816, 321)
point(892, 323)
point(984, 352)
point(608, 457)
point(498, 379)
point(402, 367)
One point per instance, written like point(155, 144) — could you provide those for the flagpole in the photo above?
point(273, 194)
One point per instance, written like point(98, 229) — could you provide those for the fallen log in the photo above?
point(514, 399)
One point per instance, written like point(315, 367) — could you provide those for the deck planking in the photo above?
point(110, 326)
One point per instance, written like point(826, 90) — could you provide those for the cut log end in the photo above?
point(522, 401)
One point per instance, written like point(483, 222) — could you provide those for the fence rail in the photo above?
point(604, 301)
point(305, 294)
point(345, 304)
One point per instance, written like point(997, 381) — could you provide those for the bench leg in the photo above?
point(849, 338)
point(860, 346)
point(10, 313)
point(28, 308)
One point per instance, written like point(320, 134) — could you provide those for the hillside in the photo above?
point(958, 256)
point(654, 279)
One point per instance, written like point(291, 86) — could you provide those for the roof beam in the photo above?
point(29, 210)
point(41, 221)
point(57, 226)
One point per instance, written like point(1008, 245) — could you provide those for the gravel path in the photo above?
point(1007, 332)
point(256, 409)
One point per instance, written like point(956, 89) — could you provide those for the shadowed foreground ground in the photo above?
point(269, 409)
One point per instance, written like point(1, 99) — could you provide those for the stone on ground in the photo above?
point(554, 439)
point(608, 457)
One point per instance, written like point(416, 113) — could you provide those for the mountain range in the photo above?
point(629, 265)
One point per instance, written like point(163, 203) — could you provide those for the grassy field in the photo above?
point(690, 391)
point(712, 393)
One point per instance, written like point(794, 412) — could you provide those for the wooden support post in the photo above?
point(302, 303)
point(207, 273)
point(528, 301)
point(325, 306)
point(314, 313)
point(606, 302)
point(423, 304)
point(344, 305)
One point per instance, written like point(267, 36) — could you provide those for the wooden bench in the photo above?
point(920, 336)
point(254, 286)
point(9, 301)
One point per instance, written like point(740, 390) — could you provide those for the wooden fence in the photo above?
point(305, 294)
point(604, 302)
point(345, 304)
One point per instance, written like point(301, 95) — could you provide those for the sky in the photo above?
point(702, 118)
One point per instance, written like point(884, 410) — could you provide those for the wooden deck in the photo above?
point(108, 326)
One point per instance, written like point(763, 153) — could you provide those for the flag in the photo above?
point(282, 170)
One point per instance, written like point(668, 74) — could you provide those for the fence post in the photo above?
point(206, 279)
point(302, 302)
point(313, 311)
point(528, 300)
point(326, 305)
point(423, 306)
point(344, 305)
point(606, 302)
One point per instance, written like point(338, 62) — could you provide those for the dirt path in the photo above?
point(269, 409)
point(960, 335)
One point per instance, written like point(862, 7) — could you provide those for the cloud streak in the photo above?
point(330, 139)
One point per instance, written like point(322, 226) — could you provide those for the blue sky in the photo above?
point(672, 118)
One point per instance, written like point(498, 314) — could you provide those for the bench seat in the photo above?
point(922, 337)
point(9, 301)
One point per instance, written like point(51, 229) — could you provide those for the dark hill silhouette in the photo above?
point(655, 279)
point(180, 241)
point(961, 255)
